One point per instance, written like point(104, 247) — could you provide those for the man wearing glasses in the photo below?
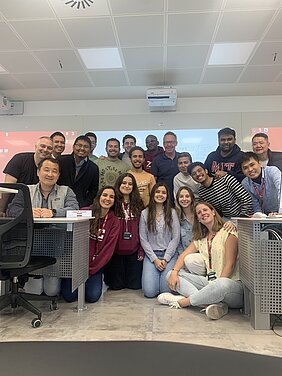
point(165, 167)
point(79, 173)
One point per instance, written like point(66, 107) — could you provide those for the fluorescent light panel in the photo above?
point(231, 53)
point(100, 58)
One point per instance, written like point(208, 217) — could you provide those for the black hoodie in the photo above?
point(216, 162)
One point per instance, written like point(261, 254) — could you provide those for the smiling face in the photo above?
point(113, 149)
point(43, 148)
point(107, 198)
point(260, 145)
point(160, 195)
point(199, 174)
point(169, 143)
point(226, 142)
point(204, 214)
point(48, 174)
point(59, 144)
point(183, 163)
point(81, 149)
point(137, 159)
point(184, 199)
point(126, 186)
point(152, 143)
point(128, 144)
point(251, 168)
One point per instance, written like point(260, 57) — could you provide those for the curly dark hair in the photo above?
point(151, 221)
point(96, 210)
point(135, 202)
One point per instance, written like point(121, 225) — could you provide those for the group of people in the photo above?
point(161, 221)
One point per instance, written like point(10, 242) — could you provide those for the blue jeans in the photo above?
point(154, 281)
point(201, 292)
point(93, 288)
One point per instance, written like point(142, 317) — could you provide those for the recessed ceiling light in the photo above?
point(78, 3)
point(100, 58)
point(231, 53)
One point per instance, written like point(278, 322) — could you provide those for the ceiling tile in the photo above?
point(265, 54)
point(261, 74)
point(186, 56)
point(28, 9)
point(148, 78)
point(193, 5)
point(275, 31)
point(108, 78)
point(90, 32)
point(221, 75)
point(19, 62)
point(41, 34)
point(72, 79)
point(52, 59)
point(136, 6)
point(252, 4)
point(252, 24)
point(35, 80)
point(140, 30)
point(98, 8)
point(183, 76)
point(7, 82)
point(143, 58)
point(9, 41)
point(184, 28)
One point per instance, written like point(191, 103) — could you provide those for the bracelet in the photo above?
point(176, 270)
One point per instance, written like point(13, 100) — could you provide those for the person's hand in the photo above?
point(219, 174)
point(159, 265)
point(46, 213)
point(2, 214)
point(164, 264)
point(140, 258)
point(229, 226)
point(173, 281)
point(36, 212)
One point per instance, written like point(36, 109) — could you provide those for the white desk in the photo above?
point(260, 260)
point(66, 239)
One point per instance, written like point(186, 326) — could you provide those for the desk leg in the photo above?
point(81, 298)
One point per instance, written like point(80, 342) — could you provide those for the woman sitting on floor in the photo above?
point(159, 236)
point(103, 237)
point(220, 288)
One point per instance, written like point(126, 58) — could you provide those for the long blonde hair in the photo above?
point(200, 231)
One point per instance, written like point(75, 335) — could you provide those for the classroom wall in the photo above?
point(240, 113)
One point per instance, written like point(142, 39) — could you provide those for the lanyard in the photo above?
point(260, 192)
point(126, 210)
point(99, 238)
point(209, 243)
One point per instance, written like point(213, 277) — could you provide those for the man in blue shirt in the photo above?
point(165, 166)
point(263, 184)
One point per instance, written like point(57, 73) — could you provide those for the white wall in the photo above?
point(240, 113)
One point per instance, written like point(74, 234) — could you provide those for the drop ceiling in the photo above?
point(161, 43)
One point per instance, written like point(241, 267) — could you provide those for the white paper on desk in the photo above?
point(79, 213)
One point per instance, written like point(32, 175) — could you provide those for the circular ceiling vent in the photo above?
point(79, 4)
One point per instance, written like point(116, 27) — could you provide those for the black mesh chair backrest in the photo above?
point(16, 234)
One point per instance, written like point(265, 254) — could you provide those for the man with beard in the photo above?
point(111, 166)
point(225, 159)
point(153, 151)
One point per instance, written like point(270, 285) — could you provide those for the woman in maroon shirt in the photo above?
point(103, 236)
point(125, 267)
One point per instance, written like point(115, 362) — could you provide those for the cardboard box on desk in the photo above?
point(79, 213)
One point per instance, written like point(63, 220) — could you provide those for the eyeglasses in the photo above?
point(80, 146)
point(169, 142)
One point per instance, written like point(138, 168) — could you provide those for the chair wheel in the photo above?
point(36, 323)
point(54, 306)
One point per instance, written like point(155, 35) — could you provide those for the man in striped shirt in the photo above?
point(226, 194)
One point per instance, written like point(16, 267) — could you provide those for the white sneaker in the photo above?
point(170, 299)
point(216, 311)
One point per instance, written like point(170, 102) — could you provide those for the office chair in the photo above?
point(16, 239)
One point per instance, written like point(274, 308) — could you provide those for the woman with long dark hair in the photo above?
point(159, 236)
point(220, 287)
point(125, 267)
point(103, 236)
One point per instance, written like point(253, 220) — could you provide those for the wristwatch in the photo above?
point(54, 211)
